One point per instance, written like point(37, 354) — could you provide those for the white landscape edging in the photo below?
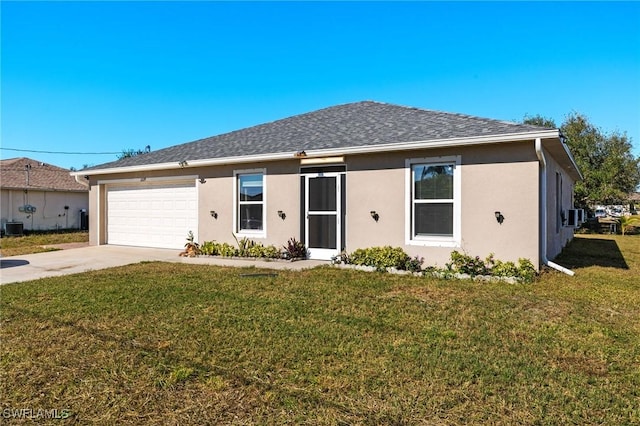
point(436, 274)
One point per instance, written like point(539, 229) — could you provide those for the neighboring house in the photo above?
point(41, 196)
point(350, 176)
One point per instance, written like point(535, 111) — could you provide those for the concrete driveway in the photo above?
point(64, 262)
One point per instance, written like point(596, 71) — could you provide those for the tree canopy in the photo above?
point(610, 170)
point(126, 153)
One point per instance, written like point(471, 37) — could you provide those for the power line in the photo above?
point(60, 152)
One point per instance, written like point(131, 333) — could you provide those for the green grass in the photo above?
point(34, 243)
point(159, 343)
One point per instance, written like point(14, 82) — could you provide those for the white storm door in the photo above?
point(323, 215)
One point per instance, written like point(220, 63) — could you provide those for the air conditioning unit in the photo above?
point(575, 217)
point(14, 229)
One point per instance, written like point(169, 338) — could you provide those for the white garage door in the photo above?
point(152, 215)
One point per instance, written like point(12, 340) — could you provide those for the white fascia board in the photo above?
point(190, 164)
point(437, 143)
point(159, 179)
point(130, 169)
point(573, 161)
point(365, 149)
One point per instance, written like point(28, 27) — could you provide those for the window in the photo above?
point(433, 190)
point(250, 199)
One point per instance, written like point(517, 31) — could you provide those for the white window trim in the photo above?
point(434, 241)
point(236, 228)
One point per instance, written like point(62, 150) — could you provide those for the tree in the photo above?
point(126, 153)
point(84, 166)
point(609, 169)
point(538, 120)
point(627, 223)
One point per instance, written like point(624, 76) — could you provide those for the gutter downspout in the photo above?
point(543, 212)
point(81, 182)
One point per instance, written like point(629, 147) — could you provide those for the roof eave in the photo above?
point(41, 188)
point(364, 149)
point(572, 160)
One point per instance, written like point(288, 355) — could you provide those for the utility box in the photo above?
point(84, 220)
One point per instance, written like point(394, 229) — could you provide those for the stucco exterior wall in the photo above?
point(502, 178)
point(559, 199)
point(50, 211)
point(282, 193)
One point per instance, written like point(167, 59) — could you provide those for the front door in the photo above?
point(323, 215)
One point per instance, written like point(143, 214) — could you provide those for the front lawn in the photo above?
point(37, 242)
point(160, 343)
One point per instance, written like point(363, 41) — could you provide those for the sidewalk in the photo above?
point(76, 260)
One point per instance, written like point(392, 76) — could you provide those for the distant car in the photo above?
point(600, 213)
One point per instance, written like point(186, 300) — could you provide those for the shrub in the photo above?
point(415, 264)
point(209, 248)
point(227, 250)
point(271, 252)
point(343, 257)
point(380, 257)
point(244, 246)
point(268, 252)
point(526, 270)
point(295, 249)
point(628, 224)
point(465, 264)
point(504, 269)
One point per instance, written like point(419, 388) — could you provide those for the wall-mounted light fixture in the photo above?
point(203, 180)
point(374, 215)
point(499, 217)
point(282, 215)
point(214, 214)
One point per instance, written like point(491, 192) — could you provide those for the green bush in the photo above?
point(271, 252)
point(227, 250)
point(504, 269)
point(244, 246)
point(268, 252)
point(380, 257)
point(415, 264)
point(526, 270)
point(209, 248)
point(465, 264)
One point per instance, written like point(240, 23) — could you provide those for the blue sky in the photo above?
point(107, 76)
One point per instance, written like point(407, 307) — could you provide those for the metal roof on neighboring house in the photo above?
point(352, 125)
point(24, 173)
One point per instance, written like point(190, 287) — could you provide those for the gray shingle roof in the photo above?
point(343, 126)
